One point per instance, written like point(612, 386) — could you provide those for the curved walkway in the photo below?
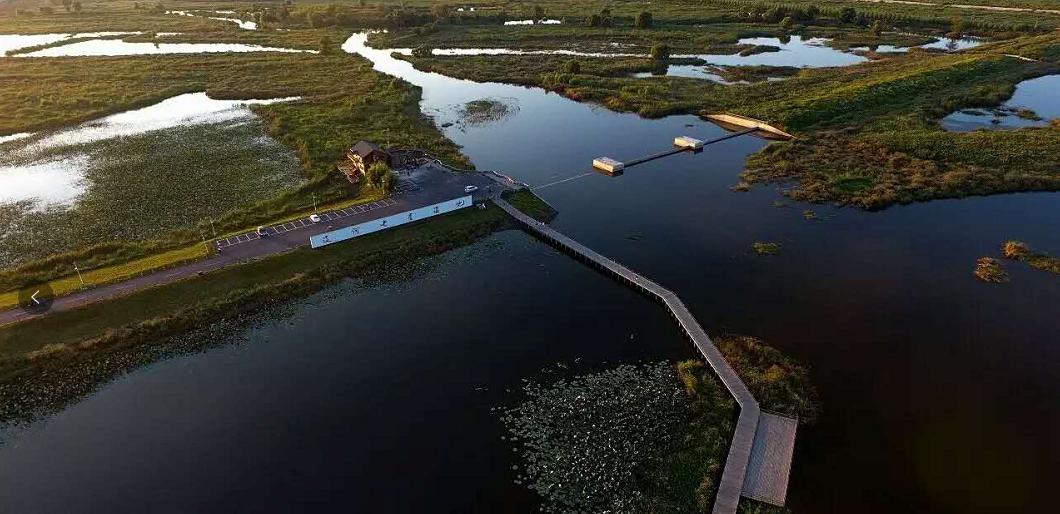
point(732, 477)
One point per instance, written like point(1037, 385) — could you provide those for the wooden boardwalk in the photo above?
point(731, 485)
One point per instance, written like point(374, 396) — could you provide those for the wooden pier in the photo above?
point(731, 121)
point(731, 485)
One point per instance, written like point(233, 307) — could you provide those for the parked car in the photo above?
point(262, 232)
point(470, 189)
point(315, 218)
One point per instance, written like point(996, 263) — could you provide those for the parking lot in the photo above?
point(325, 219)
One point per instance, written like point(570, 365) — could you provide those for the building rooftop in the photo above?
point(365, 148)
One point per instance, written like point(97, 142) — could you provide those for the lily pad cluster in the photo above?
point(613, 441)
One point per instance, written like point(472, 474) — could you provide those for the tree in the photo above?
point(877, 28)
point(441, 11)
point(643, 20)
point(593, 20)
point(573, 67)
point(957, 26)
point(787, 23)
point(539, 12)
point(379, 175)
point(660, 52)
point(848, 15)
point(774, 14)
point(422, 51)
point(326, 46)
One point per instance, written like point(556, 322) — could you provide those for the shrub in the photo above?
point(573, 67)
point(848, 15)
point(326, 46)
point(643, 20)
point(660, 52)
point(990, 270)
point(422, 51)
point(1016, 249)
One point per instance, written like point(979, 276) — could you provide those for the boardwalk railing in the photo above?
point(732, 476)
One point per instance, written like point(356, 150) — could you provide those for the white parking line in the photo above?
point(289, 226)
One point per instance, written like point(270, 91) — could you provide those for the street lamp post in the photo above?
point(79, 277)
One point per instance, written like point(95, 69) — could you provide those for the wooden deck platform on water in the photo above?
point(732, 483)
point(770, 465)
point(731, 121)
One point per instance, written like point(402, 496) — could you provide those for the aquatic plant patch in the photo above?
point(603, 442)
point(142, 186)
point(989, 269)
point(1020, 251)
point(487, 110)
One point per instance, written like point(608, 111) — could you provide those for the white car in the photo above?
point(470, 189)
point(315, 218)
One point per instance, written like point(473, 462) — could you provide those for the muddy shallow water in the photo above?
point(939, 392)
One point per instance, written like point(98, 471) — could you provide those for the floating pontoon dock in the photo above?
point(681, 144)
point(609, 165)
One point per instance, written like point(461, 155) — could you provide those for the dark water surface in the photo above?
point(366, 399)
point(940, 392)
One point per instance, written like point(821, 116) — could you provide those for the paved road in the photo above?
point(418, 188)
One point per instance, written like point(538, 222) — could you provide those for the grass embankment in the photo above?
point(646, 438)
point(867, 135)
point(97, 275)
point(353, 103)
point(531, 205)
point(47, 352)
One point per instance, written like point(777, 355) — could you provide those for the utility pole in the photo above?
point(387, 137)
point(212, 229)
point(204, 245)
point(79, 277)
point(314, 203)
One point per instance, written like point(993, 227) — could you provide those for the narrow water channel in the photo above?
point(939, 392)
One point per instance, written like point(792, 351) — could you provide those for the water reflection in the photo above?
point(243, 24)
point(52, 183)
point(1037, 95)
point(9, 42)
point(794, 51)
point(114, 47)
point(947, 44)
point(29, 164)
point(533, 22)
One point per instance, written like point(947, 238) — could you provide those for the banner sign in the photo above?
point(395, 220)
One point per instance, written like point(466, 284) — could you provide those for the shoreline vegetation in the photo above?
point(646, 437)
point(68, 354)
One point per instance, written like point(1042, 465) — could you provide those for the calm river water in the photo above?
point(940, 392)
